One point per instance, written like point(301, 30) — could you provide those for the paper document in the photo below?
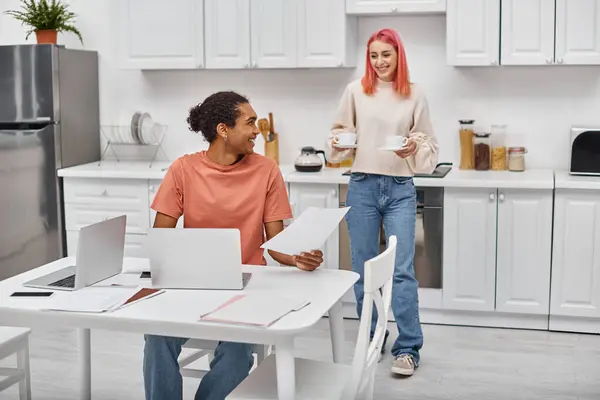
point(308, 232)
point(254, 309)
point(91, 299)
point(100, 299)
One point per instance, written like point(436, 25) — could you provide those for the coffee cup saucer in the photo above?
point(392, 148)
point(345, 146)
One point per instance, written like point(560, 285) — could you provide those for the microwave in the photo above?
point(585, 151)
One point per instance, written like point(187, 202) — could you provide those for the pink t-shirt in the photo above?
point(244, 196)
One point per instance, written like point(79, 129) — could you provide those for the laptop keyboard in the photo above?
point(68, 282)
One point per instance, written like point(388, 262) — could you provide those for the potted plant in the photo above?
point(46, 18)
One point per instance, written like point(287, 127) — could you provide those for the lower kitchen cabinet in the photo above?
point(576, 254)
point(497, 248)
point(305, 195)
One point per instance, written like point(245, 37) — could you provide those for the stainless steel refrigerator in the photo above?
point(49, 119)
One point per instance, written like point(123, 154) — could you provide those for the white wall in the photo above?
point(538, 103)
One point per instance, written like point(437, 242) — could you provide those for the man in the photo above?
point(226, 186)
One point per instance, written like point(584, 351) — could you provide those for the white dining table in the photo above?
point(177, 312)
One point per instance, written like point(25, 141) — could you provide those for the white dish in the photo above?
point(392, 148)
point(145, 129)
point(345, 146)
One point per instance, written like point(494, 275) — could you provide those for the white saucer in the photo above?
point(345, 146)
point(392, 148)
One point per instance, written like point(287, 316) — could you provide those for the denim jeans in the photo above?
point(374, 198)
point(162, 380)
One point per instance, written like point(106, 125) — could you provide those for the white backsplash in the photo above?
point(538, 103)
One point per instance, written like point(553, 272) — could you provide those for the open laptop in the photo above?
point(99, 256)
point(196, 258)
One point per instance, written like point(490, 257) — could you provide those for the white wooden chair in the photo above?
point(16, 341)
point(323, 380)
point(204, 349)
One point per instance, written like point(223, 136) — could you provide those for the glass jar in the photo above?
point(498, 147)
point(516, 158)
point(482, 146)
point(466, 133)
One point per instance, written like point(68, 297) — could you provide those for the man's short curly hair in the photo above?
point(218, 108)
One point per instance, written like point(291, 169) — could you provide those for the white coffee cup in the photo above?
point(345, 138)
point(395, 142)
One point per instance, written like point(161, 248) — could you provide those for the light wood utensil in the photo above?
point(271, 136)
point(272, 148)
point(263, 127)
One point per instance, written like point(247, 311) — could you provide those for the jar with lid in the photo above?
point(516, 158)
point(466, 133)
point(482, 147)
point(498, 147)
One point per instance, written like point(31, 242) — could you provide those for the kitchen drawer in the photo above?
point(122, 194)
point(135, 245)
point(79, 215)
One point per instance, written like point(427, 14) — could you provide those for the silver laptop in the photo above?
point(194, 258)
point(99, 256)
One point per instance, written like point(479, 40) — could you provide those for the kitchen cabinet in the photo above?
point(375, 7)
point(469, 255)
point(527, 32)
point(575, 261)
point(577, 32)
point(227, 33)
point(326, 36)
point(497, 246)
point(155, 34)
point(473, 32)
point(548, 32)
point(305, 195)
point(236, 34)
point(524, 249)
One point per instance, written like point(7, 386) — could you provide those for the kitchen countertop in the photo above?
point(530, 179)
point(563, 180)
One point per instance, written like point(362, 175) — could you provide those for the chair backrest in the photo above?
point(378, 277)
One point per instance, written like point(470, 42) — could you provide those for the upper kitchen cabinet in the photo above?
point(577, 32)
point(376, 7)
point(473, 32)
point(527, 32)
point(273, 29)
point(227, 25)
point(548, 32)
point(326, 36)
point(156, 34)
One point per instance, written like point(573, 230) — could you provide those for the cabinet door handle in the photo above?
point(492, 196)
point(151, 187)
point(394, 9)
point(501, 197)
point(105, 193)
point(548, 61)
point(560, 60)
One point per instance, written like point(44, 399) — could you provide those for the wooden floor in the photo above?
point(458, 363)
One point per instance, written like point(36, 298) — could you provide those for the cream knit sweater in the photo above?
point(372, 118)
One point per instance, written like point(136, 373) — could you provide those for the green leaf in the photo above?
point(46, 15)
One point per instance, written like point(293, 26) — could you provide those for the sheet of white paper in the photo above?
point(254, 309)
point(91, 299)
point(307, 232)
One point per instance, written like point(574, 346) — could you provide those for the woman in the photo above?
point(384, 102)
point(227, 186)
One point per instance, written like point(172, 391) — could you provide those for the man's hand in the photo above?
point(309, 261)
point(408, 150)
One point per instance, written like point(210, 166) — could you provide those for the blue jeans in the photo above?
point(162, 379)
point(374, 198)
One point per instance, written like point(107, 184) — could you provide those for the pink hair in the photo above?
point(401, 82)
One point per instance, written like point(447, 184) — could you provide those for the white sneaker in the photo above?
point(403, 365)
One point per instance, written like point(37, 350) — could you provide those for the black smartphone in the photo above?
point(32, 294)
point(146, 274)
